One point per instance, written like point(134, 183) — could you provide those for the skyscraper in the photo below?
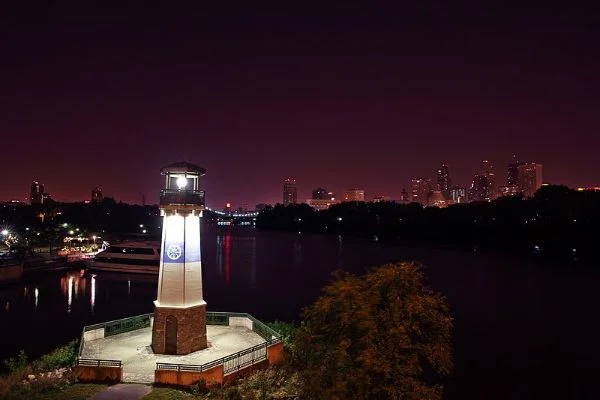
point(320, 194)
point(96, 195)
point(290, 192)
point(36, 195)
point(487, 170)
point(443, 179)
point(480, 188)
point(457, 195)
point(353, 195)
point(513, 172)
point(404, 196)
point(421, 189)
point(529, 178)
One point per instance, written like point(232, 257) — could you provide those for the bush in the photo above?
point(199, 387)
point(384, 335)
point(232, 393)
point(287, 330)
point(18, 363)
point(19, 367)
point(63, 357)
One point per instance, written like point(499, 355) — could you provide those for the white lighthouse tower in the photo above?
point(180, 311)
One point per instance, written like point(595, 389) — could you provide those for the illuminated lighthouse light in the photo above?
point(182, 182)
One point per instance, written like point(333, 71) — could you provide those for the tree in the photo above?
point(381, 336)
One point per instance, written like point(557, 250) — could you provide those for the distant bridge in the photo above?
point(246, 218)
point(235, 214)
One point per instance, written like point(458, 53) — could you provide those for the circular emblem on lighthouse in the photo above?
point(174, 252)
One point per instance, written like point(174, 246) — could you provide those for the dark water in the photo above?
point(522, 331)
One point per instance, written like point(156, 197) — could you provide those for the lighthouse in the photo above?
point(179, 325)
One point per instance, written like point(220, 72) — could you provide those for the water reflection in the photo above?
point(72, 284)
point(340, 252)
point(70, 291)
point(227, 258)
point(93, 294)
point(220, 254)
point(253, 266)
point(36, 292)
point(297, 251)
point(224, 256)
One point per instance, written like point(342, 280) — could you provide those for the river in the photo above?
point(522, 330)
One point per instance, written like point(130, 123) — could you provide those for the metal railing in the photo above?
point(93, 362)
point(122, 325)
point(231, 363)
point(216, 318)
point(222, 318)
point(236, 361)
point(174, 196)
point(116, 326)
point(244, 358)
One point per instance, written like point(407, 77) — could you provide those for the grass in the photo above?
point(78, 391)
point(161, 393)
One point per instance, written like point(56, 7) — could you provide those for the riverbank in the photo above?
point(556, 224)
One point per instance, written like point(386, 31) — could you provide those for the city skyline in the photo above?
point(296, 196)
point(347, 97)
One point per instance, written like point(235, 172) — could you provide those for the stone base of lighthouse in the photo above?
point(179, 330)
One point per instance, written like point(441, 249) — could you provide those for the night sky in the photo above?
point(336, 96)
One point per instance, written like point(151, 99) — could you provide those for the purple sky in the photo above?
point(334, 97)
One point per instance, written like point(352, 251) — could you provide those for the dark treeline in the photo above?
point(558, 223)
point(43, 224)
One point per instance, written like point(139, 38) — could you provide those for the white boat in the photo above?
point(132, 257)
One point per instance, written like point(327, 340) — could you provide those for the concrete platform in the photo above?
point(139, 362)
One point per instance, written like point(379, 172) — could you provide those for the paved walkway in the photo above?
point(123, 392)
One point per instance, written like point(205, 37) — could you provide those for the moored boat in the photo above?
point(132, 257)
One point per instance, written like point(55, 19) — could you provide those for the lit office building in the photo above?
point(421, 189)
point(529, 178)
point(443, 179)
point(321, 204)
point(354, 195)
point(480, 188)
point(97, 195)
point(487, 170)
point(457, 195)
point(36, 195)
point(290, 192)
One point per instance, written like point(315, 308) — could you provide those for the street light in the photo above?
point(71, 232)
point(5, 232)
point(141, 225)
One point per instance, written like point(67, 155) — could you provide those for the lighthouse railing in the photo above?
point(177, 196)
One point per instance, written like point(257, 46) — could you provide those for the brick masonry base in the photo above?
point(191, 328)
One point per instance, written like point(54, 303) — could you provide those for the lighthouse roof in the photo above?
point(183, 167)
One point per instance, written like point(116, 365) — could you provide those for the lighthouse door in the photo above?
point(171, 335)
